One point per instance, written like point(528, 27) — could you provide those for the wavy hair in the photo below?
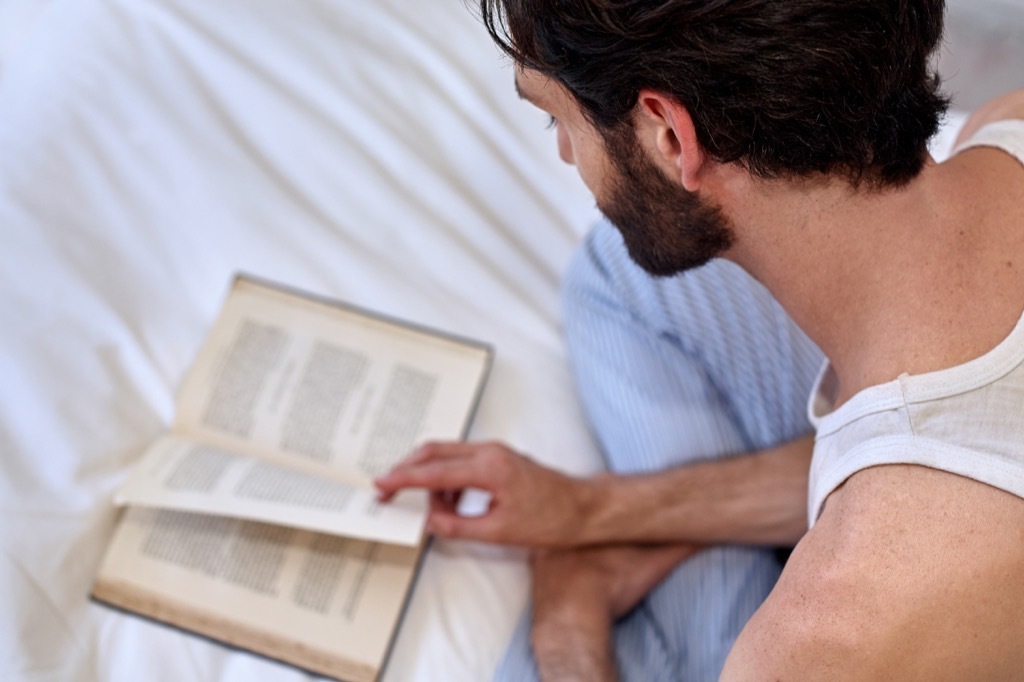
point(787, 88)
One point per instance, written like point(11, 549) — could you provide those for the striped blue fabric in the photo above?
point(674, 370)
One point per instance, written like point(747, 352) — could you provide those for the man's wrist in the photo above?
point(594, 499)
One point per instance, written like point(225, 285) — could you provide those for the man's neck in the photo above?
point(870, 275)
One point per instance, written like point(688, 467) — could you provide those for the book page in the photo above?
point(180, 474)
point(298, 380)
point(322, 602)
point(310, 389)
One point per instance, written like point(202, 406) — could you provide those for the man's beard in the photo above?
point(666, 229)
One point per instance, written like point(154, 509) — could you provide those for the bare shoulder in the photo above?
point(1007, 106)
point(909, 574)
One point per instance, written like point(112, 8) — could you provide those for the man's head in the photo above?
point(646, 193)
point(786, 88)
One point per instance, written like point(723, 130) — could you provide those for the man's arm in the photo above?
point(580, 590)
point(758, 498)
point(577, 596)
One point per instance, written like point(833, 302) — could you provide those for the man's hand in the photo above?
point(531, 505)
point(577, 596)
point(616, 577)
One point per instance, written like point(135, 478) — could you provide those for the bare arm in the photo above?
point(579, 593)
point(582, 587)
point(758, 499)
point(1009, 105)
point(577, 596)
point(755, 499)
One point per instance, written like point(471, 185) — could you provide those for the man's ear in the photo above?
point(674, 137)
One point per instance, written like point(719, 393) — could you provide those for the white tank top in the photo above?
point(967, 420)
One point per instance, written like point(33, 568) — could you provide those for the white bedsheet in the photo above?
point(369, 150)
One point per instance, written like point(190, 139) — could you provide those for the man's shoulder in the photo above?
point(910, 573)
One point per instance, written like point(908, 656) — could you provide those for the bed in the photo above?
point(372, 151)
point(369, 151)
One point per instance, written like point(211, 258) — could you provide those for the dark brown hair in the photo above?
point(785, 87)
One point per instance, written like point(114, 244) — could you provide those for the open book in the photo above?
point(254, 520)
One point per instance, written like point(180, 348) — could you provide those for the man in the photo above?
point(788, 137)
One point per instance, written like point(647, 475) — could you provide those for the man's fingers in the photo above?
point(445, 500)
point(438, 450)
point(427, 452)
point(450, 525)
point(435, 475)
point(453, 465)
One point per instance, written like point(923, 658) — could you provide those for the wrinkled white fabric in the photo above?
point(371, 151)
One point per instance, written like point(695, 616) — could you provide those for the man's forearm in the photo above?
point(574, 652)
point(579, 593)
point(760, 498)
point(572, 617)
